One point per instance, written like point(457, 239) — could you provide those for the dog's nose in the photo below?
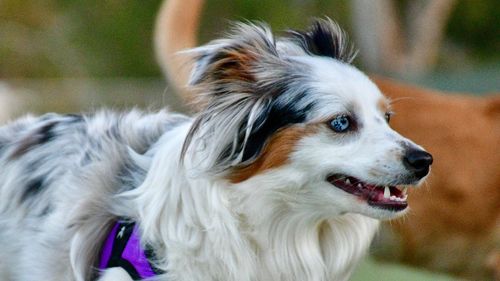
point(418, 161)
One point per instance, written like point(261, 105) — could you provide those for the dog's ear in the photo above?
point(223, 63)
point(234, 59)
point(240, 81)
point(325, 38)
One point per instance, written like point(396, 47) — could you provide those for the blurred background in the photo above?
point(65, 55)
point(80, 55)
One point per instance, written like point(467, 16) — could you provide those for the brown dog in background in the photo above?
point(454, 224)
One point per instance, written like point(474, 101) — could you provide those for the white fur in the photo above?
point(115, 274)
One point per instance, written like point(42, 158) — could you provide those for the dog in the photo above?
point(452, 227)
point(283, 174)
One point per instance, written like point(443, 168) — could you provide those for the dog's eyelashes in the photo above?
point(341, 123)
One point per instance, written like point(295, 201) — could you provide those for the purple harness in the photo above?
point(123, 249)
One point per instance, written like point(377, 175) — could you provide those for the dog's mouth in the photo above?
point(380, 196)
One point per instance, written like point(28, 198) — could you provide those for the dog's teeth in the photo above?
point(360, 185)
point(347, 181)
point(387, 192)
point(394, 198)
point(404, 190)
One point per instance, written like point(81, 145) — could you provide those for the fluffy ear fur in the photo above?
point(238, 80)
point(234, 58)
point(248, 89)
point(325, 38)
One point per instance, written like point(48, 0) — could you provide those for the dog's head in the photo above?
point(292, 116)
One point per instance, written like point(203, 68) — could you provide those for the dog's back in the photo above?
point(57, 171)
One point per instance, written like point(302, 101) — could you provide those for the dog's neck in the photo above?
point(206, 227)
point(300, 244)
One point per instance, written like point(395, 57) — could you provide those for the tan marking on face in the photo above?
point(235, 65)
point(275, 153)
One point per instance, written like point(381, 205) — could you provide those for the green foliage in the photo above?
point(54, 38)
point(476, 25)
point(91, 38)
point(279, 14)
point(373, 270)
point(115, 36)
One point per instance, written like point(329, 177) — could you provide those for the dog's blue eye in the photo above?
point(341, 123)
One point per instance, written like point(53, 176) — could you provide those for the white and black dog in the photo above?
point(282, 175)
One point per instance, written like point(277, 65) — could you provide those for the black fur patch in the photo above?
point(325, 38)
point(32, 188)
point(277, 117)
point(42, 135)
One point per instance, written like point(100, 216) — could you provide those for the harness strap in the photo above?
point(122, 248)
